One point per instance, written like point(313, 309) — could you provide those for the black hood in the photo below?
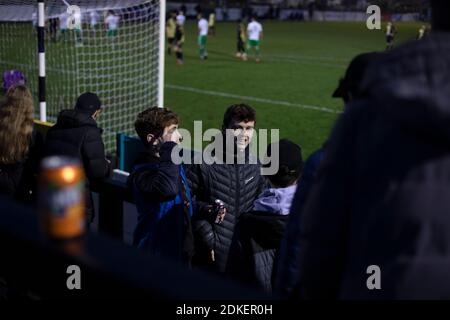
point(415, 82)
point(69, 119)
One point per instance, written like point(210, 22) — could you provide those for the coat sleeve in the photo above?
point(203, 218)
point(322, 226)
point(93, 155)
point(27, 190)
point(288, 265)
point(164, 182)
point(239, 259)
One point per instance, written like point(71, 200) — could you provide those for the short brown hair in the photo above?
point(238, 112)
point(153, 121)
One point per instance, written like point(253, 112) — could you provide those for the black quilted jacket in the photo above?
point(238, 185)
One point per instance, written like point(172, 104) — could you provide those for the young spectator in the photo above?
point(20, 145)
point(236, 184)
point(161, 189)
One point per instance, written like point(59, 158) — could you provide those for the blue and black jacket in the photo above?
point(164, 205)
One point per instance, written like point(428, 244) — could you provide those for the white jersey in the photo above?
point(112, 21)
point(63, 19)
point(388, 30)
point(77, 18)
point(94, 18)
point(34, 18)
point(254, 30)
point(181, 19)
point(203, 27)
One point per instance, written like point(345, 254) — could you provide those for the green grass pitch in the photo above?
point(301, 65)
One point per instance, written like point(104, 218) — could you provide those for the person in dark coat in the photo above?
point(161, 189)
point(286, 277)
point(77, 135)
point(348, 90)
point(258, 234)
point(20, 146)
point(381, 197)
point(237, 184)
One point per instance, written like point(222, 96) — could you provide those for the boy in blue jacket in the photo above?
point(160, 189)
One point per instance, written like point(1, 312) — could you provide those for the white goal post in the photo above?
point(122, 62)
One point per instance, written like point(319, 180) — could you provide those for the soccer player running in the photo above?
point(202, 36)
point(255, 34)
point(241, 37)
point(391, 31)
point(112, 23)
point(171, 26)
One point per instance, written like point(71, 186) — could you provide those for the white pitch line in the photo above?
point(309, 63)
point(220, 94)
point(248, 98)
point(308, 57)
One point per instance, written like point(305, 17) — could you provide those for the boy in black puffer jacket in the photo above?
point(237, 184)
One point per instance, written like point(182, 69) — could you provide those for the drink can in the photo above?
point(62, 197)
point(219, 205)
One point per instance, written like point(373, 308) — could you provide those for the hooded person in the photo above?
point(76, 134)
point(258, 233)
point(375, 224)
point(348, 88)
point(288, 263)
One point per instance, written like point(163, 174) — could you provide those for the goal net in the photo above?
point(114, 51)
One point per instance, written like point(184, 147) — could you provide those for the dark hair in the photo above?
point(290, 163)
point(440, 14)
point(238, 112)
point(153, 121)
point(285, 177)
